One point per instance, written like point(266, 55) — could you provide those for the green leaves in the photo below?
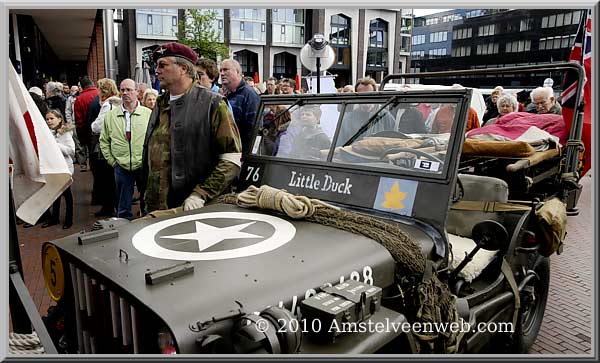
point(199, 30)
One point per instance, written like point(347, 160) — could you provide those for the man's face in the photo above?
point(286, 88)
point(128, 92)
point(74, 89)
point(366, 107)
point(66, 89)
point(168, 72)
point(271, 87)
point(203, 79)
point(543, 104)
point(230, 77)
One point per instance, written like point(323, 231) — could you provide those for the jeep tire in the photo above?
point(532, 313)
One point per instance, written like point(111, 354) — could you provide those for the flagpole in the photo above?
point(18, 314)
point(574, 144)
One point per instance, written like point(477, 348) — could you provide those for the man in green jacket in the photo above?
point(122, 144)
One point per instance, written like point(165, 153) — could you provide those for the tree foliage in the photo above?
point(198, 31)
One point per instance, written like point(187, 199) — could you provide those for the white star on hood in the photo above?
point(208, 236)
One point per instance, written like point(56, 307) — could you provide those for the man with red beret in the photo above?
point(192, 149)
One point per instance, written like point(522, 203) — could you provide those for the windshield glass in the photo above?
point(390, 133)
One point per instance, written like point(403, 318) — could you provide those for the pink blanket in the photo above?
point(515, 124)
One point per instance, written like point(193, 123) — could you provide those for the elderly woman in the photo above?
point(543, 99)
point(149, 99)
point(506, 104)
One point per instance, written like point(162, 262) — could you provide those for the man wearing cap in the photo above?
point(243, 98)
point(192, 148)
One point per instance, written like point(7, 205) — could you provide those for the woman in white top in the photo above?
point(63, 133)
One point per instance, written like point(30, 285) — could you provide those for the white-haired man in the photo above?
point(543, 99)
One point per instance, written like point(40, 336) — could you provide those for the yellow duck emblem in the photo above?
point(394, 198)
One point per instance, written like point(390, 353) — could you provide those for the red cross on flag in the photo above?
point(38, 171)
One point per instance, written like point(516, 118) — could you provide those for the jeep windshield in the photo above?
point(393, 132)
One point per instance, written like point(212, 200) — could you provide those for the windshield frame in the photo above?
point(460, 97)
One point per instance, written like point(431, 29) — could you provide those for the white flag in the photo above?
point(39, 172)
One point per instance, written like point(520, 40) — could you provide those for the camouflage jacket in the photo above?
point(192, 144)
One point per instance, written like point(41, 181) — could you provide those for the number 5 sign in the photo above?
point(54, 275)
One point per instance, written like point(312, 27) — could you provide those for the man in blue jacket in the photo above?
point(243, 99)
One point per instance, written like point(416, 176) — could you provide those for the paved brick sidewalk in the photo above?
point(567, 325)
point(31, 239)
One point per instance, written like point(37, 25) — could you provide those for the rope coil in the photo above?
point(24, 344)
point(294, 206)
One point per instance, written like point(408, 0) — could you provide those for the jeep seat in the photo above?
point(460, 222)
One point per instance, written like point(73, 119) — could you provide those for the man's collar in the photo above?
point(239, 87)
point(137, 104)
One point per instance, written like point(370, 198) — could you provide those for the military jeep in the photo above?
point(230, 279)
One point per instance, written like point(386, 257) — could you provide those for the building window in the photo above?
point(248, 62)
point(560, 19)
point(432, 21)
point(340, 30)
point(291, 22)
point(252, 20)
point(377, 58)
point(576, 17)
point(378, 34)
point(558, 42)
point(518, 46)
point(462, 33)
point(438, 52)
point(452, 17)
point(406, 26)
point(438, 37)
point(288, 16)
point(484, 49)
point(156, 23)
point(526, 25)
point(418, 54)
point(418, 39)
point(377, 53)
point(461, 51)
point(404, 44)
point(474, 13)
point(486, 30)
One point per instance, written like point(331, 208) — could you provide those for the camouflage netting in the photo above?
point(428, 301)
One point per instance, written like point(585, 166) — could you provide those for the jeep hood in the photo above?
point(236, 264)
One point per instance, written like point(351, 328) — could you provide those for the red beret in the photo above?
point(174, 49)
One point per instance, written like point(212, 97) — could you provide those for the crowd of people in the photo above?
point(183, 147)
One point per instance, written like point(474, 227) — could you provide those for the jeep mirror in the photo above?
point(490, 235)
